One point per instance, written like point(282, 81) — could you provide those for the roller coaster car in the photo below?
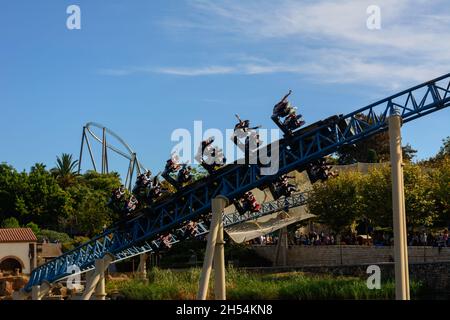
point(247, 203)
point(325, 126)
point(290, 124)
point(165, 242)
point(214, 159)
point(285, 116)
point(242, 130)
point(188, 231)
point(156, 193)
point(211, 168)
point(183, 175)
point(281, 187)
point(141, 193)
point(319, 170)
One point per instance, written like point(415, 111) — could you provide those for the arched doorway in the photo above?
point(10, 264)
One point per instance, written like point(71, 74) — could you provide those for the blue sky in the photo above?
point(145, 68)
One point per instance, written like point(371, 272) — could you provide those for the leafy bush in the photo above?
point(33, 226)
point(53, 236)
point(10, 223)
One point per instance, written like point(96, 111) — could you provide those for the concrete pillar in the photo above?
point(100, 290)
point(35, 292)
point(142, 268)
point(20, 295)
point(217, 204)
point(96, 276)
point(282, 248)
point(39, 291)
point(402, 291)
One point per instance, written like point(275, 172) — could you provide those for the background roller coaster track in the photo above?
point(295, 152)
point(90, 250)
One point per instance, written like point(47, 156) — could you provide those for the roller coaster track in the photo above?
point(295, 152)
point(90, 250)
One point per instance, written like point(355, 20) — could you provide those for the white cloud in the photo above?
point(201, 71)
point(331, 38)
point(324, 40)
point(245, 68)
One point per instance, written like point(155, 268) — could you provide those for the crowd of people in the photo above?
point(439, 239)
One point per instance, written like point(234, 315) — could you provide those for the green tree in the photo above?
point(65, 170)
point(352, 197)
point(53, 236)
point(335, 202)
point(43, 200)
point(444, 153)
point(11, 186)
point(445, 149)
point(440, 179)
point(33, 226)
point(90, 195)
point(420, 205)
point(10, 223)
point(375, 197)
point(371, 150)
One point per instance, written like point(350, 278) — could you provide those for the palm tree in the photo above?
point(65, 169)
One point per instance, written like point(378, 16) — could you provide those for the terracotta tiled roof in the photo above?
point(17, 235)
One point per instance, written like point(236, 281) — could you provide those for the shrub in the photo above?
point(10, 223)
point(53, 236)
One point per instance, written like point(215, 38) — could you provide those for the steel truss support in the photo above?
point(214, 253)
point(129, 154)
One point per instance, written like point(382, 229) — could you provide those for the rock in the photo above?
point(59, 291)
point(19, 282)
point(6, 288)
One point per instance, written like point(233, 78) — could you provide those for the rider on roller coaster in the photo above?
point(284, 109)
point(184, 175)
point(242, 129)
point(131, 205)
point(247, 203)
point(283, 187)
point(208, 156)
point(143, 182)
point(172, 164)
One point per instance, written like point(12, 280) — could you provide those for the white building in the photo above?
point(17, 250)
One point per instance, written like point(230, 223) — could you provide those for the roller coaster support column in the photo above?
point(398, 206)
point(142, 268)
point(214, 253)
point(39, 292)
point(282, 248)
point(95, 281)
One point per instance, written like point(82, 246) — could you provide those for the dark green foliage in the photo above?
point(33, 226)
point(371, 150)
point(65, 170)
point(58, 199)
point(53, 236)
point(354, 197)
point(10, 223)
